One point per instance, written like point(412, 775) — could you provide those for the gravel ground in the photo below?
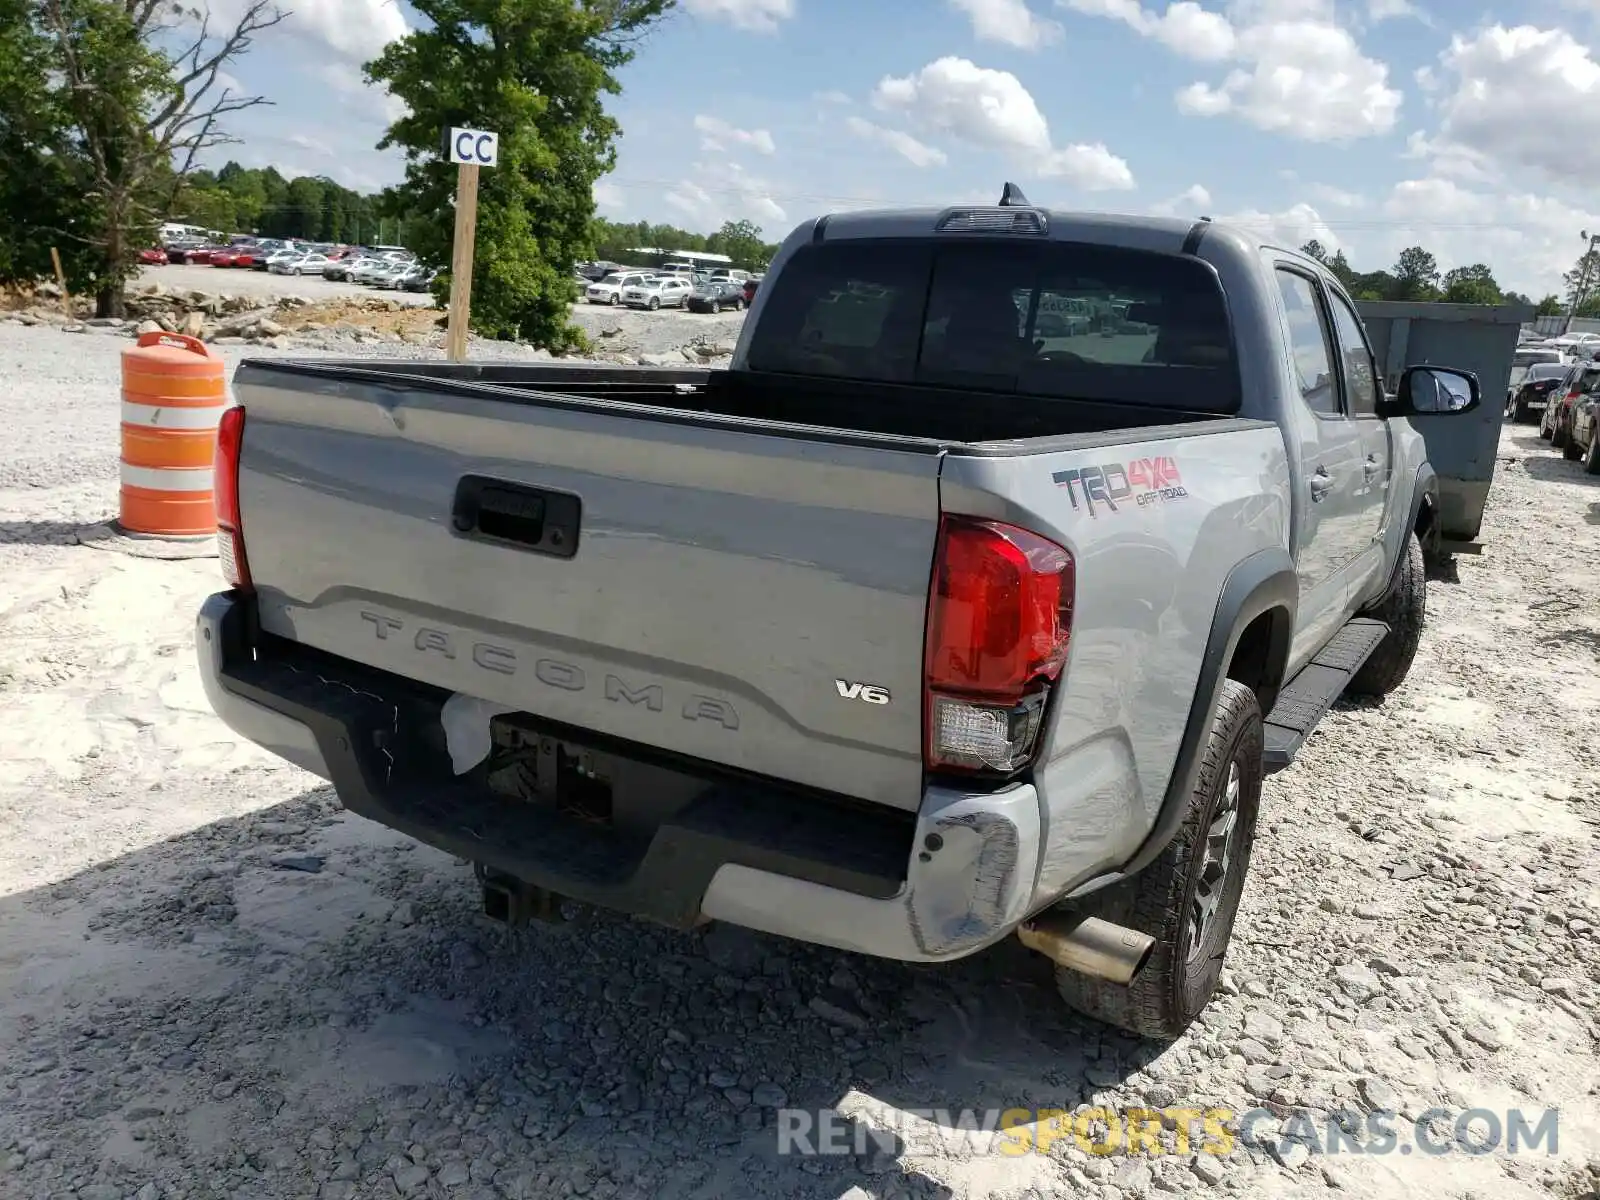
point(215, 983)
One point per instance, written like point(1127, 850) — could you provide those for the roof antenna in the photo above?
point(1012, 197)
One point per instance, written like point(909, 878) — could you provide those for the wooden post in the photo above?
point(461, 261)
point(61, 280)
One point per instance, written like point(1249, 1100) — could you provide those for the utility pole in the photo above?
point(1580, 292)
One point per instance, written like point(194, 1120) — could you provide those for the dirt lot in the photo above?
point(214, 983)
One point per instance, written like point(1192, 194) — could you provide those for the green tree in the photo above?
point(1315, 249)
point(741, 241)
point(139, 94)
point(1578, 284)
point(1416, 275)
point(1550, 306)
point(1472, 285)
point(42, 203)
point(1340, 266)
point(535, 72)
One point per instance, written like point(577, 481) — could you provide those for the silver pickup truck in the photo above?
point(928, 622)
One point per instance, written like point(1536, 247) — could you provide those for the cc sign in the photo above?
point(472, 147)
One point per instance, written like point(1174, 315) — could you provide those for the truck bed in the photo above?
point(709, 565)
point(941, 415)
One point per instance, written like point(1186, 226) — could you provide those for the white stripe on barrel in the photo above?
point(170, 416)
point(167, 479)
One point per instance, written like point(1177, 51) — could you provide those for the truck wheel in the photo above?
point(1187, 898)
point(1558, 436)
point(1404, 610)
point(1569, 448)
point(1591, 457)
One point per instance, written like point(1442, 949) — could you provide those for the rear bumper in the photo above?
point(940, 884)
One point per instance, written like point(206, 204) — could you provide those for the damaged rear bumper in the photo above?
point(947, 881)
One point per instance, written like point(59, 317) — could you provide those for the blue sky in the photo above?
point(1370, 124)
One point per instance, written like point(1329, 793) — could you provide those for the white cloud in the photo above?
point(376, 103)
point(1088, 165)
point(753, 16)
point(991, 110)
point(1390, 10)
point(1336, 197)
point(1187, 203)
point(832, 97)
point(1008, 22)
point(608, 195)
point(1516, 100)
point(356, 30)
point(743, 198)
point(918, 154)
point(1297, 71)
point(315, 145)
point(1292, 227)
point(717, 134)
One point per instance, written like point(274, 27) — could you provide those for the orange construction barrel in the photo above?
point(173, 393)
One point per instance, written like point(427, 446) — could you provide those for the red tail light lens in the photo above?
point(225, 489)
point(999, 623)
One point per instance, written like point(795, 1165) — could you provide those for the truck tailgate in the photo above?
point(727, 585)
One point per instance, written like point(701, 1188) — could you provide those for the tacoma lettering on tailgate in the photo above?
point(1143, 481)
point(552, 672)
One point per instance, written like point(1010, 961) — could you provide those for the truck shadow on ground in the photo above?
point(1549, 467)
point(298, 1000)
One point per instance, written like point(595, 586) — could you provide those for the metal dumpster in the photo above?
point(1471, 337)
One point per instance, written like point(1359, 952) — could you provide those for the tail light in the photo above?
point(230, 530)
point(999, 620)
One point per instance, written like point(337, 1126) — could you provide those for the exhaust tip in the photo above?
point(1089, 945)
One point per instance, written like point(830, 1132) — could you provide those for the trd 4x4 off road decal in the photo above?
point(1144, 481)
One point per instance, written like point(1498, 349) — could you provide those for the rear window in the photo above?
point(1549, 370)
point(1057, 319)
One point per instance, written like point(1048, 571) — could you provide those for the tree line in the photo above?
point(1415, 276)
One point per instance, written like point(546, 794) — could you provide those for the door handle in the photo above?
point(1321, 484)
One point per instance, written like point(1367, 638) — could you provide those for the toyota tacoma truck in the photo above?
point(974, 598)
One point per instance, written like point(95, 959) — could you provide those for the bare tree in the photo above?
point(146, 87)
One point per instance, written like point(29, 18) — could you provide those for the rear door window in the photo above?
point(1043, 319)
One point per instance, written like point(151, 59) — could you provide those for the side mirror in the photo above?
point(1436, 391)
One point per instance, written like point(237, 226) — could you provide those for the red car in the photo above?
point(244, 257)
point(224, 258)
point(155, 256)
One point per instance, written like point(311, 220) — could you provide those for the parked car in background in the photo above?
point(715, 295)
point(751, 287)
point(250, 258)
point(298, 264)
point(665, 291)
point(1527, 357)
point(1533, 392)
point(153, 256)
point(1584, 440)
point(388, 276)
point(1556, 424)
point(609, 289)
point(419, 279)
point(1573, 343)
point(367, 270)
point(226, 257)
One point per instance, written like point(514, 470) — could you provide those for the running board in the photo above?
point(1311, 693)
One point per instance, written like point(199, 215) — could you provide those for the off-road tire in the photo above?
point(1558, 436)
point(736, 305)
point(1569, 448)
point(1519, 414)
point(655, 303)
point(1169, 993)
point(1404, 609)
point(1591, 456)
